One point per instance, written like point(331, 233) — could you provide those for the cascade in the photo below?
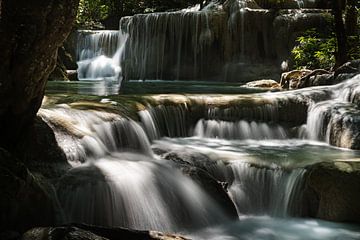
point(174, 45)
point(120, 183)
point(131, 190)
point(334, 120)
point(99, 54)
point(241, 142)
point(233, 42)
point(238, 130)
point(274, 192)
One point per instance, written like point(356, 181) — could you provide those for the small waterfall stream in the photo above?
point(99, 54)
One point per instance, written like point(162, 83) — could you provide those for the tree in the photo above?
point(341, 52)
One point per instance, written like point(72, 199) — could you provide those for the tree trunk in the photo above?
point(341, 53)
point(31, 32)
point(351, 18)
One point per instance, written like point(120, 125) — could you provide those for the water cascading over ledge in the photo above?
point(231, 43)
point(99, 54)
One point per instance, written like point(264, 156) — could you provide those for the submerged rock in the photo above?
point(333, 191)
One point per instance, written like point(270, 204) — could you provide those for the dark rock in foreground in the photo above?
point(26, 200)
point(87, 232)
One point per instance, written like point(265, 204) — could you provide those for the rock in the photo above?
point(208, 175)
point(49, 161)
point(26, 200)
point(87, 232)
point(64, 62)
point(311, 80)
point(352, 67)
point(60, 233)
point(72, 75)
point(344, 126)
point(34, 31)
point(333, 191)
point(266, 83)
point(291, 79)
point(59, 73)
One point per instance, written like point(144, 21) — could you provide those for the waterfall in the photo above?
point(238, 130)
point(274, 192)
point(334, 120)
point(88, 135)
point(117, 182)
point(99, 54)
point(172, 45)
point(165, 120)
point(135, 191)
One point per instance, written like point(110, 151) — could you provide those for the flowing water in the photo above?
point(132, 173)
point(200, 162)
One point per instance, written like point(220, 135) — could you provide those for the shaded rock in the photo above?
point(59, 73)
point(72, 75)
point(51, 160)
point(266, 83)
point(34, 31)
point(60, 233)
point(87, 232)
point(311, 79)
point(352, 67)
point(333, 191)
point(26, 200)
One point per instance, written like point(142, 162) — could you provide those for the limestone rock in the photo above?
point(333, 191)
point(292, 78)
point(266, 83)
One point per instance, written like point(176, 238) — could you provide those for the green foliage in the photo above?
point(91, 13)
point(314, 50)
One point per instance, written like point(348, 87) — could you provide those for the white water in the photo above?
point(99, 54)
point(122, 183)
point(135, 191)
point(238, 130)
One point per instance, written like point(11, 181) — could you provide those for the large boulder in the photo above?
point(26, 200)
point(332, 191)
point(33, 31)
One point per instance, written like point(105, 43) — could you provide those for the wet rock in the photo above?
point(87, 232)
point(26, 200)
point(333, 191)
point(266, 83)
point(344, 127)
point(208, 174)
